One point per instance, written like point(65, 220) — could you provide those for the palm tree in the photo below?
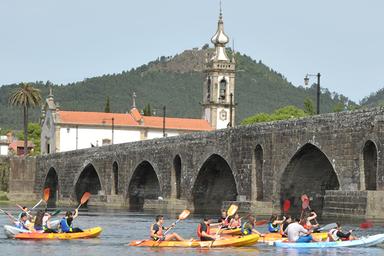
point(25, 96)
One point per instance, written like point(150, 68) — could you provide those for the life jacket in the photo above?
point(199, 229)
point(159, 233)
point(246, 230)
point(235, 223)
point(333, 234)
point(273, 228)
point(21, 225)
point(307, 226)
point(64, 225)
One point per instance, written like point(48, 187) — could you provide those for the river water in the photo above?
point(121, 226)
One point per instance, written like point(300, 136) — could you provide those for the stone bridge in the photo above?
point(336, 159)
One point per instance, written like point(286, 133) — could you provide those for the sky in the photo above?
point(68, 41)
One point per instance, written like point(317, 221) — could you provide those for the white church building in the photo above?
point(72, 130)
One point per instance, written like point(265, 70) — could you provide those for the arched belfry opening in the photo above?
point(88, 181)
point(257, 174)
point(144, 184)
point(52, 182)
point(176, 177)
point(370, 165)
point(214, 184)
point(115, 171)
point(309, 172)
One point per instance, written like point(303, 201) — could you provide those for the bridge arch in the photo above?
point(370, 165)
point(52, 182)
point(176, 177)
point(87, 181)
point(214, 184)
point(144, 184)
point(309, 172)
point(115, 180)
point(257, 174)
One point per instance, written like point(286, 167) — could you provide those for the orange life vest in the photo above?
point(159, 233)
point(199, 229)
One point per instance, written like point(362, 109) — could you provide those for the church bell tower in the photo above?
point(219, 85)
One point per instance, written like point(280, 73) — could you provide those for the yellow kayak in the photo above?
point(88, 233)
point(273, 237)
point(225, 242)
point(229, 232)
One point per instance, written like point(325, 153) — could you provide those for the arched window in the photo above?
point(223, 88)
point(209, 88)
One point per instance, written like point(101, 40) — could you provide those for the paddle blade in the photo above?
point(56, 212)
point(261, 222)
point(85, 198)
point(184, 214)
point(46, 194)
point(286, 205)
point(232, 209)
point(366, 224)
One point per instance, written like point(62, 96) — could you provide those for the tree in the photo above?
point(34, 132)
point(338, 107)
point(107, 108)
point(308, 107)
point(25, 96)
point(285, 113)
point(147, 110)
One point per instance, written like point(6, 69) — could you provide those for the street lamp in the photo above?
point(306, 81)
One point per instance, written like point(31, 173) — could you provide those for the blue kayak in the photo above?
point(361, 242)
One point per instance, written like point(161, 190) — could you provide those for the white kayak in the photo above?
point(361, 242)
point(12, 231)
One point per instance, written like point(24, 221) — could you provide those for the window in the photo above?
point(223, 89)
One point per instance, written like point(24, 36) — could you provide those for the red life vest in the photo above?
point(199, 229)
point(159, 233)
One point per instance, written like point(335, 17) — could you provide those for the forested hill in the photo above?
point(175, 82)
point(375, 99)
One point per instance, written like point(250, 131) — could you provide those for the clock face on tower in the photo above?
point(223, 115)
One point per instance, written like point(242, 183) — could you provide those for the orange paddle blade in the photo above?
point(366, 224)
point(85, 197)
point(46, 194)
point(184, 214)
point(261, 222)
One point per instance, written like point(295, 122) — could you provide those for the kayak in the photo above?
point(229, 232)
point(226, 242)
point(362, 242)
point(13, 232)
point(273, 237)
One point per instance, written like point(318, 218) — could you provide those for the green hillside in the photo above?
point(177, 83)
point(373, 100)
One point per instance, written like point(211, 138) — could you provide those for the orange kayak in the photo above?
point(229, 232)
point(225, 242)
point(273, 237)
point(88, 233)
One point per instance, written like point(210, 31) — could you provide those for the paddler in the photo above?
point(67, 221)
point(47, 223)
point(248, 227)
point(38, 225)
point(274, 224)
point(157, 229)
point(235, 222)
point(23, 221)
point(297, 233)
point(203, 230)
point(307, 223)
point(336, 234)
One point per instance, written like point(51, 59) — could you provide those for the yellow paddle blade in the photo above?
point(184, 214)
point(85, 198)
point(232, 210)
point(46, 194)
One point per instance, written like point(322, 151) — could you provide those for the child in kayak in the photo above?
point(67, 221)
point(336, 234)
point(274, 225)
point(157, 231)
point(235, 222)
point(203, 230)
point(248, 227)
point(307, 223)
point(47, 224)
point(38, 225)
point(288, 220)
point(297, 233)
point(23, 222)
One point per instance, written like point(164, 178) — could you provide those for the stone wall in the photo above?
point(4, 173)
point(22, 179)
point(267, 163)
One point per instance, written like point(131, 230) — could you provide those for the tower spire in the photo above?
point(220, 39)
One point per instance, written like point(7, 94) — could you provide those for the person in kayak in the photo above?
point(248, 227)
point(67, 221)
point(235, 222)
point(47, 224)
point(203, 230)
point(288, 220)
point(24, 209)
point(38, 225)
point(157, 231)
point(274, 224)
point(22, 223)
point(336, 234)
point(307, 223)
point(297, 233)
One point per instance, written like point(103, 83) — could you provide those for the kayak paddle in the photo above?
point(84, 199)
point(327, 227)
point(261, 222)
point(367, 224)
point(45, 198)
point(9, 215)
point(231, 211)
point(182, 216)
point(56, 212)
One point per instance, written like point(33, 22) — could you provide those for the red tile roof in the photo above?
point(20, 144)
point(132, 119)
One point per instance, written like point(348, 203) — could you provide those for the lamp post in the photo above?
point(306, 81)
point(164, 115)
